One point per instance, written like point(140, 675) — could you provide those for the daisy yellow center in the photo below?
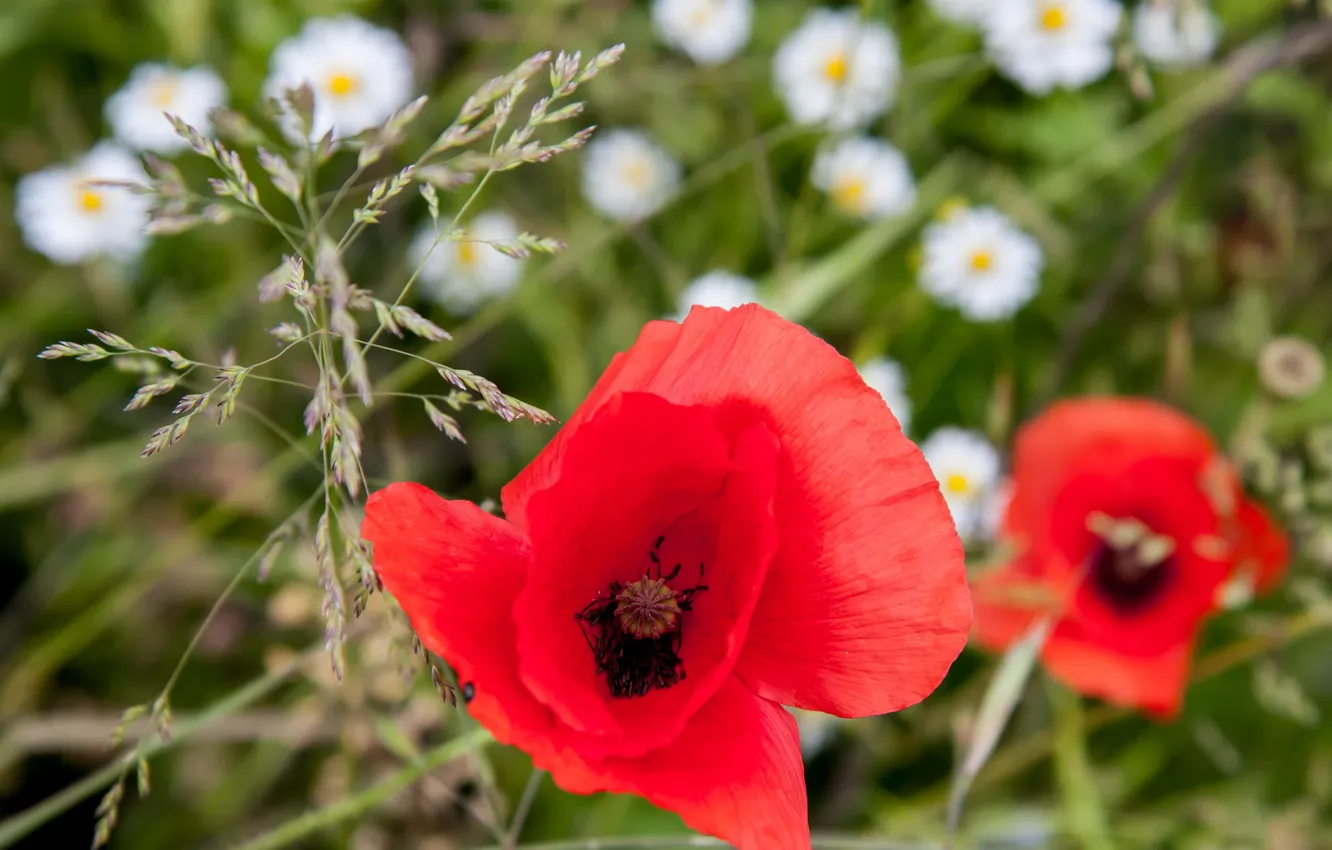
point(467, 254)
point(836, 67)
point(701, 16)
point(957, 484)
point(1054, 17)
point(850, 194)
point(163, 92)
point(982, 261)
point(636, 173)
point(341, 85)
point(90, 202)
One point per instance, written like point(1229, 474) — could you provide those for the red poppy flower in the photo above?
point(732, 522)
point(1127, 524)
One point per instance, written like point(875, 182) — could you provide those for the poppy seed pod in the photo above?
point(1290, 367)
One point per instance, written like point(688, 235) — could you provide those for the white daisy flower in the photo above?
point(1178, 34)
point(709, 31)
point(627, 176)
point(69, 220)
point(866, 177)
point(979, 261)
point(137, 112)
point(462, 274)
point(361, 74)
point(1046, 44)
point(718, 288)
point(888, 379)
point(967, 467)
point(966, 12)
point(836, 70)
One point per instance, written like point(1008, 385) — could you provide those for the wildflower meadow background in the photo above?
point(414, 267)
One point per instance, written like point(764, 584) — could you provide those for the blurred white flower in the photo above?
point(718, 288)
point(888, 379)
point(1175, 34)
point(627, 176)
point(968, 12)
point(866, 177)
point(361, 74)
point(709, 31)
point(1046, 44)
point(836, 70)
point(817, 730)
point(64, 217)
point(462, 274)
point(978, 260)
point(136, 112)
point(967, 467)
point(994, 510)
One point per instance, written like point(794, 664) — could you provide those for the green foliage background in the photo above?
point(110, 562)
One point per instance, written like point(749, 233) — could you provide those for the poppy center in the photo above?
point(1131, 566)
point(635, 632)
point(647, 608)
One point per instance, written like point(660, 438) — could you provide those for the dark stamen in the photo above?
point(636, 631)
point(1126, 581)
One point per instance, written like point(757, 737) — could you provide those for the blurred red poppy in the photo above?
point(1128, 525)
point(731, 522)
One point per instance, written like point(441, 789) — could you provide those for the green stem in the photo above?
point(515, 831)
point(358, 804)
point(1080, 799)
point(440, 236)
point(165, 696)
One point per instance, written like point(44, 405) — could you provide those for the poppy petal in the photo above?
point(865, 605)
point(1091, 436)
point(734, 772)
point(1153, 683)
point(1008, 599)
point(711, 507)
point(1264, 543)
point(455, 571)
point(1164, 493)
point(627, 371)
